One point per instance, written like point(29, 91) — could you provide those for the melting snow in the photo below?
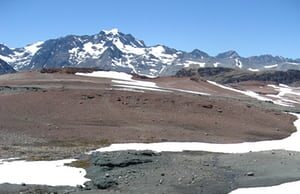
point(287, 94)
point(252, 94)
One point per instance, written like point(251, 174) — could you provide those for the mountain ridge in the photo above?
point(115, 50)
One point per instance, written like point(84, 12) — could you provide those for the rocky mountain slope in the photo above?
point(114, 50)
point(5, 68)
point(228, 75)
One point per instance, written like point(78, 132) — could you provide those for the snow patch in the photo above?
point(270, 66)
point(53, 173)
point(124, 80)
point(286, 188)
point(33, 48)
point(216, 64)
point(238, 63)
point(189, 63)
point(113, 31)
point(252, 94)
point(108, 74)
point(251, 69)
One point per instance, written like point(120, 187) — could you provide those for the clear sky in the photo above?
point(250, 27)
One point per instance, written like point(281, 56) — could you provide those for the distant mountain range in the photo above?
point(114, 50)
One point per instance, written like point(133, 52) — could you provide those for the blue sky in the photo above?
point(250, 27)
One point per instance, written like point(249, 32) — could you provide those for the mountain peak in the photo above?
point(198, 53)
point(228, 54)
point(113, 31)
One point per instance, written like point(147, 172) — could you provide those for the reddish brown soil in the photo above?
point(79, 109)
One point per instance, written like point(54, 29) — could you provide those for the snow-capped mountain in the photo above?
point(114, 50)
point(19, 57)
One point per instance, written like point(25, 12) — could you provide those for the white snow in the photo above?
point(108, 74)
point(33, 48)
point(7, 59)
point(159, 52)
point(289, 95)
point(124, 80)
point(286, 188)
point(113, 31)
point(216, 64)
point(238, 63)
point(270, 66)
point(21, 57)
point(251, 69)
point(128, 48)
point(189, 63)
point(284, 90)
point(95, 50)
point(89, 50)
point(293, 63)
point(53, 173)
point(291, 143)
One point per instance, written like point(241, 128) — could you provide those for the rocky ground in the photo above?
point(57, 115)
point(187, 172)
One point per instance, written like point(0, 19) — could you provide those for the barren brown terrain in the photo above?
point(67, 114)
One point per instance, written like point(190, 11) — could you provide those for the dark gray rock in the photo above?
point(5, 68)
point(227, 75)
